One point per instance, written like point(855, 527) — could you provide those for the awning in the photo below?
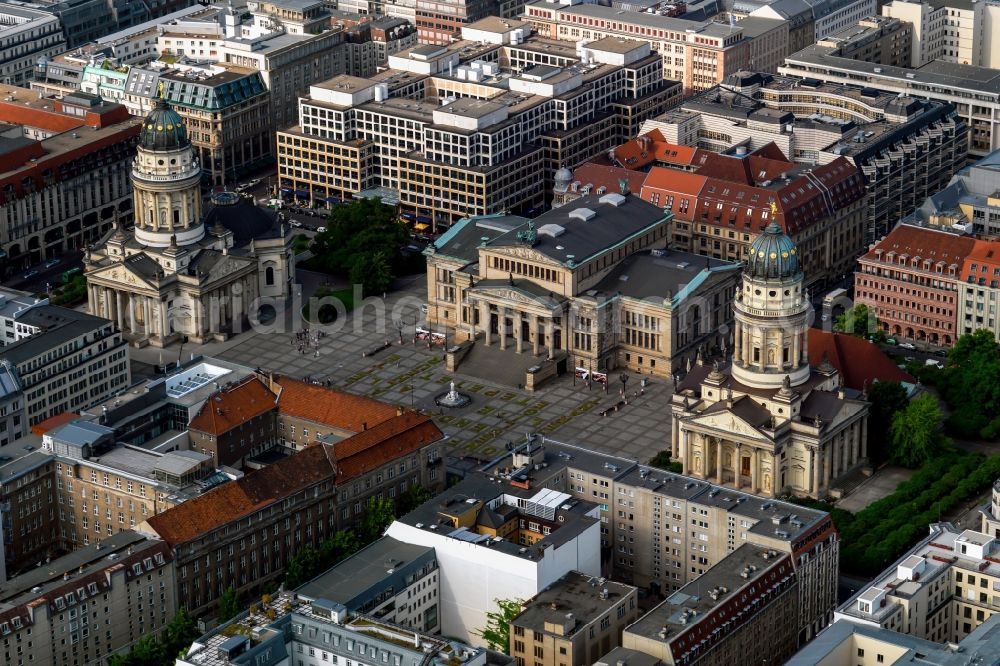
point(407, 216)
point(420, 226)
point(286, 190)
point(332, 200)
point(424, 219)
point(302, 194)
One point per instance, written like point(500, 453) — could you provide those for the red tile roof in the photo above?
point(53, 422)
point(328, 406)
point(390, 440)
point(604, 175)
point(860, 362)
point(922, 242)
point(234, 406)
point(651, 148)
point(985, 256)
point(244, 496)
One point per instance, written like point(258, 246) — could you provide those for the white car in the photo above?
point(320, 230)
point(907, 345)
point(295, 224)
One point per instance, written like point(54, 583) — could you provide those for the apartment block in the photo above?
point(955, 31)
point(991, 513)
point(699, 54)
point(29, 528)
point(721, 208)
point(882, 40)
point(321, 631)
point(573, 621)
point(388, 580)
point(662, 531)
point(499, 541)
point(853, 644)
point(477, 127)
point(973, 91)
point(368, 45)
point(87, 605)
point(941, 590)
point(64, 173)
point(812, 22)
point(906, 148)
point(235, 423)
point(912, 280)
point(28, 33)
point(249, 529)
point(741, 611)
point(74, 361)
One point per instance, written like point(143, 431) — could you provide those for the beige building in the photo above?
point(991, 513)
point(881, 40)
point(588, 281)
point(706, 622)
point(477, 127)
point(88, 605)
point(770, 422)
point(662, 531)
point(182, 272)
point(941, 590)
point(572, 622)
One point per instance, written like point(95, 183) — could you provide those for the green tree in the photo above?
point(915, 433)
point(379, 514)
point(341, 545)
point(887, 399)
point(859, 321)
point(179, 634)
point(302, 567)
point(662, 460)
point(229, 605)
point(970, 385)
point(497, 629)
point(414, 496)
point(145, 652)
point(361, 228)
point(372, 271)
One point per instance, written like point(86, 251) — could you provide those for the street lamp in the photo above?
point(624, 380)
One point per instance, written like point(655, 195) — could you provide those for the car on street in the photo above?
point(907, 345)
point(30, 274)
point(295, 224)
point(51, 263)
point(943, 353)
point(320, 230)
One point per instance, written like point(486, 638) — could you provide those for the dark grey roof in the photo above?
point(245, 220)
point(627, 657)
point(59, 325)
point(650, 276)
point(578, 239)
point(364, 575)
point(144, 265)
point(574, 593)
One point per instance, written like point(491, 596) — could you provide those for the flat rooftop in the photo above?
point(496, 24)
point(663, 275)
point(586, 597)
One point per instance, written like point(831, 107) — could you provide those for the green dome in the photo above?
point(163, 129)
point(773, 255)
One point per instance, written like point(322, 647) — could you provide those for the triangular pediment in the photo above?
point(525, 253)
point(120, 274)
point(513, 294)
point(726, 421)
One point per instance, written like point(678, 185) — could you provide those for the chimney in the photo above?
point(364, 426)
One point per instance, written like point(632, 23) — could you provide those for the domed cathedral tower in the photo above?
point(185, 272)
point(166, 182)
point(769, 424)
point(770, 342)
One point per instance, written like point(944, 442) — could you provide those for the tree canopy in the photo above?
point(413, 497)
point(496, 633)
point(887, 399)
point(858, 320)
point(915, 433)
point(229, 605)
point(970, 386)
point(362, 240)
point(379, 514)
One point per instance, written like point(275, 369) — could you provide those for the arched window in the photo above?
point(269, 276)
point(177, 218)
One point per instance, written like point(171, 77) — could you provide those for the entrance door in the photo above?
point(745, 465)
point(494, 323)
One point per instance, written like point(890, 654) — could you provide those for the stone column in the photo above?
point(484, 316)
point(674, 436)
point(685, 452)
point(163, 319)
point(856, 443)
point(738, 466)
point(119, 311)
point(502, 320)
point(738, 342)
point(534, 335)
point(863, 435)
point(762, 363)
point(518, 326)
point(131, 313)
point(817, 465)
point(805, 346)
point(213, 315)
point(828, 466)
point(754, 461)
point(718, 461)
point(796, 355)
point(550, 332)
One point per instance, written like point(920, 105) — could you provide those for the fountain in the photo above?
point(452, 398)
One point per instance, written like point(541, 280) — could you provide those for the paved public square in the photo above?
point(410, 374)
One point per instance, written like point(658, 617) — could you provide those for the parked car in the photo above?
point(943, 353)
point(907, 345)
point(295, 224)
point(934, 362)
point(890, 341)
point(30, 274)
point(320, 230)
point(51, 263)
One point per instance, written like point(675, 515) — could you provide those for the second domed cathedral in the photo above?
point(189, 267)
